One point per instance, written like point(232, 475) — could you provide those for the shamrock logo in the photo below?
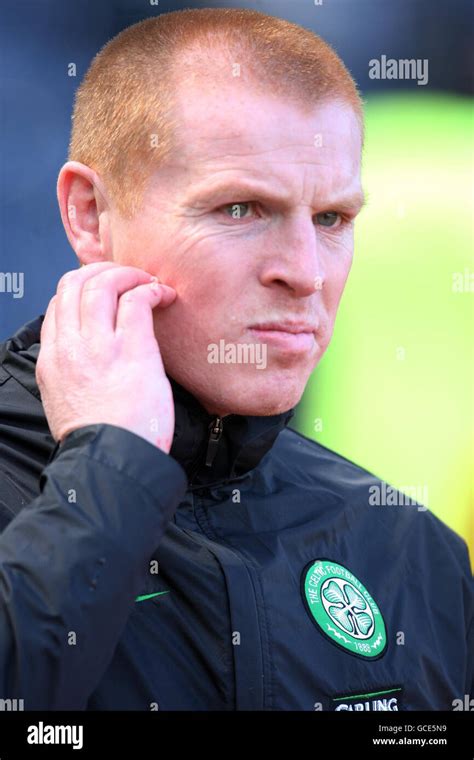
point(347, 608)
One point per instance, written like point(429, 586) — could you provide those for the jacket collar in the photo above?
point(236, 445)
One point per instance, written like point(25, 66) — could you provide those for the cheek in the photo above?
point(126, 253)
point(212, 274)
point(331, 297)
point(207, 298)
point(337, 273)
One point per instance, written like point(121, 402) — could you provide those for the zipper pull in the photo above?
point(215, 434)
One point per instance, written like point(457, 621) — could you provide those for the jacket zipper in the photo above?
point(215, 433)
point(249, 664)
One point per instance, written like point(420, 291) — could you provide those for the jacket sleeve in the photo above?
point(74, 559)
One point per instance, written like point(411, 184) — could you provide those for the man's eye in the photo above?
point(328, 218)
point(236, 210)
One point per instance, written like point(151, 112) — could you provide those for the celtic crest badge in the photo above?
point(343, 610)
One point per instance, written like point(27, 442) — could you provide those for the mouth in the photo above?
point(295, 328)
point(289, 337)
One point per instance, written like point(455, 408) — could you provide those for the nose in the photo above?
point(293, 259)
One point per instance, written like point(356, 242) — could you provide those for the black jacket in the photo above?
point(267, 580)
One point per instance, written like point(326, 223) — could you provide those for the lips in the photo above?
point(287, 327)
point(286, 337)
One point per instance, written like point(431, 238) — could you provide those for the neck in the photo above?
point(212, 446)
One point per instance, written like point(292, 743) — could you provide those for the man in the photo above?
point(168, 542)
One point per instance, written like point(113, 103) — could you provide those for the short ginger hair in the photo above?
point(124, 125)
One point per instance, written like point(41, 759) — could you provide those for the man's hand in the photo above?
point(99, 360)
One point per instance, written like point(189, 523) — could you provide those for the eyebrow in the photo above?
point(203, 194)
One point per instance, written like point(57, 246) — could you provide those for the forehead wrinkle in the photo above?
point(273, 155)
point(246, 189)
point(251, 151)
point(318, 169)
point(207, 168)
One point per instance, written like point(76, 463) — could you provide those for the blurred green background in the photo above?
point(394, 391)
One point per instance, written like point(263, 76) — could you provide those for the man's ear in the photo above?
point(85, 210)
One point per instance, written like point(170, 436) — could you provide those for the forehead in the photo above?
point(215, 121)
point(235, 132)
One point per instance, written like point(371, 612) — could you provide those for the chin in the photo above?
point(255, 396)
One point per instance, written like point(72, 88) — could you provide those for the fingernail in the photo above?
point(155, 286)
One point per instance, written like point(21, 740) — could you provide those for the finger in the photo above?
point(168, 295)
point(100, 295)
point(48, 328)
point(47, 340)
point(135, 316)
point(68, 301)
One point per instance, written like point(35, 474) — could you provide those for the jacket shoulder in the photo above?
point(398, 516)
